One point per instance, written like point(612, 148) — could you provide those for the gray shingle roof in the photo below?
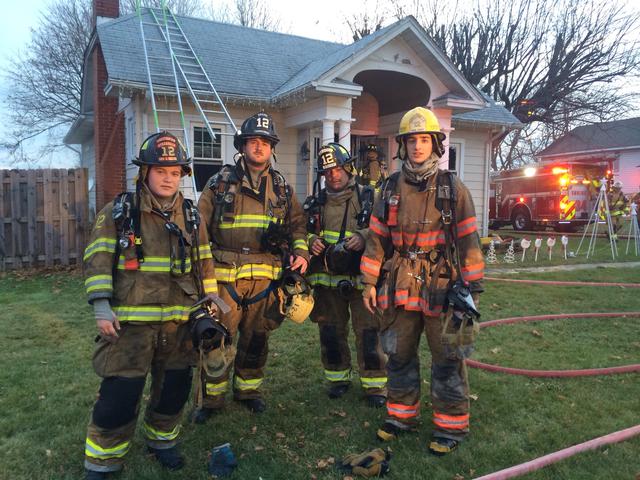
point(493, 114)
point(599, 136)
point(239, 60)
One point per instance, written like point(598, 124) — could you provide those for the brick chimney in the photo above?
point(109, 132)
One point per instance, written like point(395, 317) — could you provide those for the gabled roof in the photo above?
point(621, 134)
point(239, 60)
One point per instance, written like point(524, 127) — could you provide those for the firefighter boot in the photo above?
point(255, 405)
point(337, 390)
point(441, 446)
point(376, 401)
point(201, 415)
point(390, 430)
point(169, 458)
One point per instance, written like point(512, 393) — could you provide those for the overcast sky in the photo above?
point(321, 19)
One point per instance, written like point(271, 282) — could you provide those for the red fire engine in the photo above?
point(558, 195)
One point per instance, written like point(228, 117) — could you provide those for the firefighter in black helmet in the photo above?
point(338, 226)
point(256, 227)
point(146, 263)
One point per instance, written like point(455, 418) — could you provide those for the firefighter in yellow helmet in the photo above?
point(147, 261)
point(337, 223)
point(618, 206)
point(422, 267)
point(256, 227)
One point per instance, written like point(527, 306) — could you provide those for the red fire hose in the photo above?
point(615, 437)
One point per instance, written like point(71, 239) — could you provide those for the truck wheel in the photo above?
point(521, 220)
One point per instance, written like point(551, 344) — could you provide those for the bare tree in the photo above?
point(46, 79)
point(367, 20)
point(177, 7)
point(248, 13)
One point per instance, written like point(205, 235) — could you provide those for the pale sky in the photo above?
point(321, 19)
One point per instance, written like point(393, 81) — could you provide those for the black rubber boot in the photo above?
point(376, 401)
point(169, 458)
point(201, 415)
point(337, 391)
point(256, 405)
point(441, 446)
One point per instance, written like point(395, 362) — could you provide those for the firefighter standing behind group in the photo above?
point(337, 222)
point(146, 263)
point(424, 226)
point(372, 168)
point(256, 226)
point(618, 206)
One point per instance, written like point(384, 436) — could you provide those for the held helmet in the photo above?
point(335, 155)
point(295, 297)
point(259, 125)
point(420, 120)
point(163, 149)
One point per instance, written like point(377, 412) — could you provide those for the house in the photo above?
point(616, 142)
point(317, 92)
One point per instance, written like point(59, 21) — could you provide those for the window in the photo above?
point(455, 158)
point(207, 155)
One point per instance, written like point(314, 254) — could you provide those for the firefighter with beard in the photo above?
point(337, 222)
point(423, 255)
point(147, 262)
point(257, 231)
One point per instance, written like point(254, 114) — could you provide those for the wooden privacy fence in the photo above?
point(43, 217)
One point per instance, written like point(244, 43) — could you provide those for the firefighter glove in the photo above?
point(373, 463)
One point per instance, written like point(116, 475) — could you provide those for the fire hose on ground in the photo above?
point(592, 444)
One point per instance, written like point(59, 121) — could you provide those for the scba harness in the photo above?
point(126, 216)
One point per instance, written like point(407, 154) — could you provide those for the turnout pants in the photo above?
point(166, 352)
point(332, 313)
point(252, 324)
point(449, 383)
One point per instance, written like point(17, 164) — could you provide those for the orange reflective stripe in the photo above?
point(371, 266)
point(475, 271)
point(402, 411)
point(378, 227)
point(451, 422)
point(467, 226)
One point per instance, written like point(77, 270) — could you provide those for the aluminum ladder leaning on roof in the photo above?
point(167, 49)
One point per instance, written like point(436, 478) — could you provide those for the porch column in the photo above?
point(328, 129)
point(344, 133)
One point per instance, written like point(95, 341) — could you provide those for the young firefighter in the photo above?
point(337, 222)
point(256, 227)
point(423, 229)
point(146, 263)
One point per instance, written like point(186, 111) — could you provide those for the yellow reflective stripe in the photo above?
point(94, 450)
point(205, 252)
point(301, 244)
point(210, 285)
point(337, 375)
point(247, 221)
point(98, 282)
point(249, 270)
point(331, 236)
point(153, 434)
point(157, 264)
point(327, 280)
point(102, 244)
point(214, 389)
point(148, 313)
point(244, 385)
point(373, 382)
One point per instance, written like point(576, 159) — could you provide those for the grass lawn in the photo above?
point(47, 390)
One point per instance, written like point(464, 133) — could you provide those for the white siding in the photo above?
point(628, 171)
point(88, 161)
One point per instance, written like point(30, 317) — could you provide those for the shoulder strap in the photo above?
point(446, 199)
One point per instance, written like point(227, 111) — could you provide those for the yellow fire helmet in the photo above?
point(420, 120)
point(295, 297)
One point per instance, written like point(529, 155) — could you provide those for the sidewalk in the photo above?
point(490, 271)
